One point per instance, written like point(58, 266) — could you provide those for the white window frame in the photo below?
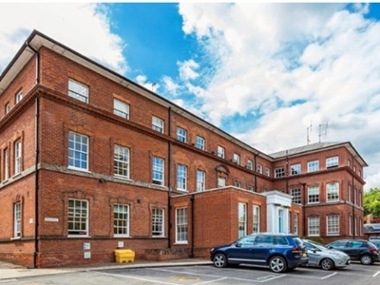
point(332, 192)
point(78, 213)
point(18, 157)
point(221, 182)
point(18, 97)
point(181, 135)
point(181, 229)
point(295, 169)
point(332, 162)
point(349, 193)
point(200, 143)
point(221, 152)
point(313, 226)
point(158, 170)
point(296, 195)
point(255, 219)
point(201, 180)
point(78, 90)
point(7, 108)
point(121, 161)
point(279, 172)
point(158, 124)
point(158, 222)
point(267, 171)
point(313, 195)
point(242, 219)
point(78, 151)
point(313, 166)
point(249, 164)
point(350, 225)
point(181, 177)
point(6, 164)
point(295, 223)
point(121, 220)
point(259, 168)
point(332, 225)
point(120, 108)
point(236, 158)
point(237, 184)
point(17, 214)
point(356, 226)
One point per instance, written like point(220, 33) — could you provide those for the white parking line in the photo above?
point(215, 280)
point(377, 273)
point(138, 278)
point(227, 277)
point(328, 276)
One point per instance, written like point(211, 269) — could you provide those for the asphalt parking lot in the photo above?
point(353, 274)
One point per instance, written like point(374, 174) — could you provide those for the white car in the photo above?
point(327, 259)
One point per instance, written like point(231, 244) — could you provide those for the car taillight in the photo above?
point(296, 249)
point(373, 250)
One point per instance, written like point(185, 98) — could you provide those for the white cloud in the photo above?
point(187, 69)
point(170, 85)
point(142, 80)
point(293, 65)
point(83, 27)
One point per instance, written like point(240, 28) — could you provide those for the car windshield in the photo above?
point(371, 244)
point(315, 245)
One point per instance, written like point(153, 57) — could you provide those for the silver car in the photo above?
point(327, 259)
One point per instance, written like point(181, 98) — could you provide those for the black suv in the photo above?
point(358, 249)
point(281, 252)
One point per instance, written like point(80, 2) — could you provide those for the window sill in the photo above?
point(78, 169)
point(181, 243)
point(78, 236)
point(122, 236)
point(122, 177)
point(15, 238)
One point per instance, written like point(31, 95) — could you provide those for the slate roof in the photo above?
point(317, 147)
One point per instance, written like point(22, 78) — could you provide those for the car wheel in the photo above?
point(366, 259)
point(220, 260)
point(327, 264)
point(277, 264)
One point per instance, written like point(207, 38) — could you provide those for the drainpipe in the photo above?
point(255, 155)
point(192, 226)
point(353, 200)
point(287, 173)
point(169, 176)
point(36, 186)
point(37, 140)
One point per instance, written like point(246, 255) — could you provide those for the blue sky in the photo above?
point(266, 73)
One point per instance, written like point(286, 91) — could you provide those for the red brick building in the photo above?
point(91, 162)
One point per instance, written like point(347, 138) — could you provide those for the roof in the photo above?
point(317, 147)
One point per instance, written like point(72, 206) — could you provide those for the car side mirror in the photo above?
point(238, 244)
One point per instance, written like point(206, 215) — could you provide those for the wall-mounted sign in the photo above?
point(47, 219)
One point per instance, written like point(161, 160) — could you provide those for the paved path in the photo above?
point(9, 271)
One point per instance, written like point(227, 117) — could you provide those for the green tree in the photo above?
point(371, 202)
